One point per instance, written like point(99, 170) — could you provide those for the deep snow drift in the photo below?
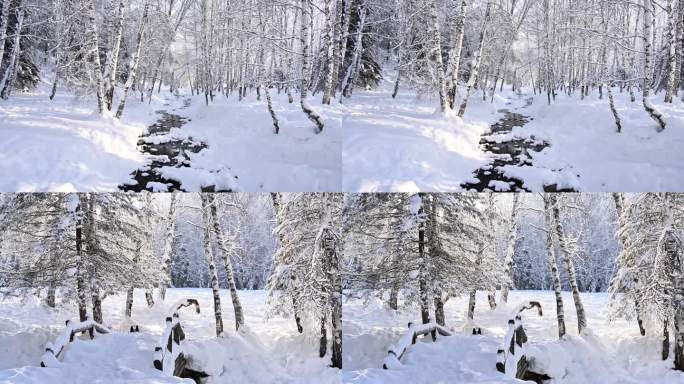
point(64, 145)
point(406, 145)
point(610, 352)
point(265, 352)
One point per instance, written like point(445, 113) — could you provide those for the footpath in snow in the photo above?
point(265, 352)
point(609, 352)
point(64, 145)
point(405, 144)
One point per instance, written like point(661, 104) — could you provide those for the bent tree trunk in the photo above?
point(648, 21)
point(134, 64)
point(7, 81)
point(304, 38)
point(478, 60)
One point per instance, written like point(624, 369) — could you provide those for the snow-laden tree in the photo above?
point(649, 276)
point(306, 278)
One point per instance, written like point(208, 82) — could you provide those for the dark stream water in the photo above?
point(167, 152)
point(510, 152)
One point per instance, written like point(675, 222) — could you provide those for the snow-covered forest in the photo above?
point(560, 288)
point(254, 84)
point(537, 95)
point(211, 287)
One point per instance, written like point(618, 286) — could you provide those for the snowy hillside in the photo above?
point(611, 352)
point(267, 351)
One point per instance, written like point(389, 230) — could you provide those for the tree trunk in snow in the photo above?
point(422, 275)
point(674, 251)
point(113, 60)
point(437, 57)
point(304, 38)
point(7, 81)
point(227, 263)
point(95, 54)
point(4, 20)
point(491, 299)
point(353, 68)
point(332, 262)
point(149, 297)
point(471, 304)
point(618, 198)
point(80, 262)
point(570, 269)
point(510, 248)
point(96, 301)
point(455, 54)
point(134, 65)
point(674, 13)
point(439, 309)
point(549, 202)
point(168, 246)
point(50, 300)
point(323, 340)
point(271, 111)
point(476, 67)
point(394, 298)
point(648, 21)
point(210, 262)
point(329, 51)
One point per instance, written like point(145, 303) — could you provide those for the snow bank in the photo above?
point(402, 144)
point(63, 145)
point(607, 352)
point(264, 352)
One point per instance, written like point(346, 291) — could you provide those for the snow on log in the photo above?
point(54, 350)
point(168, 355)
point(395, 353)
point(511, 357)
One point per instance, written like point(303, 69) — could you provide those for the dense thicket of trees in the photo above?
point(77, 249)
point(418, 250)
point(110, 48)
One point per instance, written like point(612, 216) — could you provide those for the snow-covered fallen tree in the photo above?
point(395, 353)
point(53, 351)
point(168, 355)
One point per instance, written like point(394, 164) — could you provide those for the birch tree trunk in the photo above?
point(213, 278)
point(455, 54)
point(570, 268)
point(510, 248)
point(648, 21)
point(674, 13)
point(113, 60)
point(168, 246)
point(329, 52)
point(95, 54)
point(304, 39)
point(437, 57)
point(549, 202)
point(227, 263)
point(478, 60)
point(134, 65)
point(332, 261)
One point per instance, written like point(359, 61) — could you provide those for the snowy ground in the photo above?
point(404, 144)
point(63, 145)
point(611, 352)
point(267, 352)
